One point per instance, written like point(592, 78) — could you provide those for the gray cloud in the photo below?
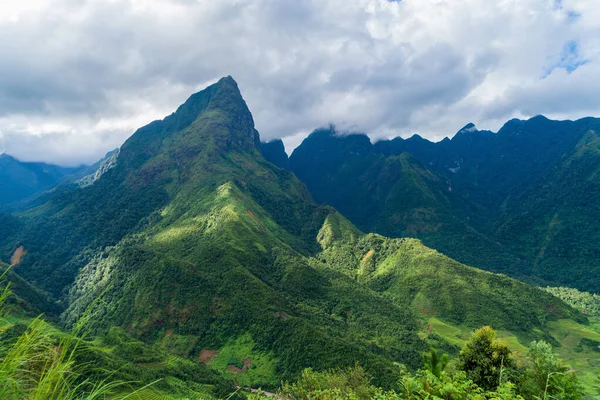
point(76, 78)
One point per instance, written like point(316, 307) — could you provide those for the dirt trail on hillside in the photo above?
point(258, 221)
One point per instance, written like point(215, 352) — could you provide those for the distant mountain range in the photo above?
point(19, 180)
point(23, 180)
point(522, 201)
point(190, 240)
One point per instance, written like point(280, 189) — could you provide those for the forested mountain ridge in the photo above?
point(523, 196)
point(194, 243)
point(488, 167)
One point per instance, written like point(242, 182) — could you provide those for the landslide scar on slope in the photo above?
point(18, 255)
point(369, 254)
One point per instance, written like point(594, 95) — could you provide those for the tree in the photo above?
point(350, 383)
point(546, 376)
point(434, 363)
point(485, 358)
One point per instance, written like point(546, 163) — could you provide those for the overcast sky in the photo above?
point(77, 77)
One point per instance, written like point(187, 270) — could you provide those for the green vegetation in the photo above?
point(546, 373)
point(543, 376)
point(415, 276)
point(550, 223)
point(261, 371)
point(587, 303)
point(34, 365)
point(480, 198)
point(196, 263)
point(572, 343)
point(392, 195)
point(434, 363)
point(204, 242)
point(39, 361)
point(485, 358)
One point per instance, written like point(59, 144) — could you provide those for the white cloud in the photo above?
point(77, 77)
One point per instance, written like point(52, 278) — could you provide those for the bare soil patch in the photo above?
point(17, 256)
point(207, 356)
point(236, 370)
point(369, 254)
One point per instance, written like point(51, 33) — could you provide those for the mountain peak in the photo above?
point(225, 93)
point(227, 79)
point(466, 131)
point(215, 117)
point(222, 106)
point(539, 117)
point(470, 127)
point(7, 158)
point(416, 137)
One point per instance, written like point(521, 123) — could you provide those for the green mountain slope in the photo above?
point(26, 299)
point(435, 285)
point(196, 244)
point(488, 167)
point(395, 195)
point(552, 224)
point(519, 201)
